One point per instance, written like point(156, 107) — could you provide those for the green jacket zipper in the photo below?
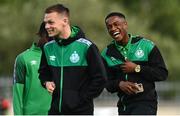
point(61, 81)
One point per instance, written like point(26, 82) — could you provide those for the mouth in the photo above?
point(50, 31)
point(116, 34)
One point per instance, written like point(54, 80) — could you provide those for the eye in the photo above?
point(109, 26)
point(50, 22)
point(116, 24)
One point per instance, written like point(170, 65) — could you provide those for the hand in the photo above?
point(50, 86)
point(128, 87)
point(128, 66)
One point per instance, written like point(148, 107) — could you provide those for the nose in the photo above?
point(113, 28)
point(47, 26)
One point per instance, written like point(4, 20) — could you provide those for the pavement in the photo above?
point(108, 108)
point(164, 108)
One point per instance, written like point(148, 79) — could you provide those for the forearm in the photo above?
point(157, 73)
point(18, 99)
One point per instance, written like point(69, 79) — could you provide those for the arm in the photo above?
point(96, 71)
point(156, 69)
point(44, 71)
point(112, 84)
point(18, 85)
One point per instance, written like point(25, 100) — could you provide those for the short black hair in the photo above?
point(60, 8)
point(121, 15)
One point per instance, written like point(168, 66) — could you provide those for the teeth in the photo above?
point(50, 31)
point(116, 33)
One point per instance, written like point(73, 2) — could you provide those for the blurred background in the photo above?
point(158, 20)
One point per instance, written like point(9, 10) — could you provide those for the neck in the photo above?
point(66, 33)
point(124, 41)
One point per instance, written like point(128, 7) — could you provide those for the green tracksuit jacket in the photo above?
point(153, 69)
point(76, 67)
point(29, 97)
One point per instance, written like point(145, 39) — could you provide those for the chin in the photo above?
point(52, 35)
point(118, 39)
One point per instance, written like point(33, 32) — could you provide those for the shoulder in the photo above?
point(84, 41)
point(50, 43)
point(21, 57)
point(24, 53)
point(103, 53)
point(142, 40)
point(148, 42)
point(143, 43)
point(109, 48)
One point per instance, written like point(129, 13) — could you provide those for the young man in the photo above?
point(133, 64)
point(29, 97)
point(71, 66)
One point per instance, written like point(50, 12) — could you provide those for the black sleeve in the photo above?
point(44, 71)
point(96, 71)
point(112, 83)
point(156, 69)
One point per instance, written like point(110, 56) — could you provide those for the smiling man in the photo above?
point(133, 65)
point(71, 66)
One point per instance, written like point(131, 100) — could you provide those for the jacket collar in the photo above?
point(112, 51)
point(77, 33)
point(35, 47)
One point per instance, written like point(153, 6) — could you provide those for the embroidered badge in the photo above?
point(139, 53)
point(74, 58)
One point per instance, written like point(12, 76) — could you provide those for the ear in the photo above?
point(125, 23)
point(66, 20)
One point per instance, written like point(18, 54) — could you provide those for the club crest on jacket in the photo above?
point(74, 58)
